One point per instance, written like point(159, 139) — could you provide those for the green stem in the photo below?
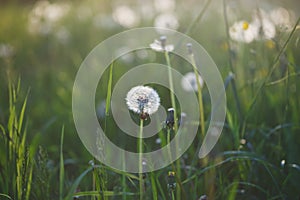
point(172, 96)
point(140, 150)
point(201, 110)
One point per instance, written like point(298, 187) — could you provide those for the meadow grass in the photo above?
point(41, 156)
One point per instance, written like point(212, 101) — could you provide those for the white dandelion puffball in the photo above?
point(142, 99)
point(126, 16)
point(282, 18)
point(166, 20)
point(189, 82)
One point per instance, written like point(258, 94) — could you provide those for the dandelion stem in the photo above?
point(172, 195)
point(140, 150)
point(201, 110)
point(172, 96)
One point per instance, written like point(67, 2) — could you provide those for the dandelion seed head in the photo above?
point(125, 16)
point(143, 99)
point(282, 18)
point(166, 20)
point(189, 82)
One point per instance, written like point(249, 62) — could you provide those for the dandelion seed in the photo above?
point(143, 100)
point(189, 82)
point(160, 45)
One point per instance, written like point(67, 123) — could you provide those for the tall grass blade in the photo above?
point(61, 166)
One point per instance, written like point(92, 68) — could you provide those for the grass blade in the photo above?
point(61, 167)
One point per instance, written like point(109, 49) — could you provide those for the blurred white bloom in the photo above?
point(44, 15)
point(63, 35)
point(124, 54)
point(166, 20)
point(6, 50)
point(142, 54)
point(143, 99)
point(146, 10)
point(158, 46)
point(242, 31)
point(125, 16)
point(266, 29)
point(189, 82)
point(164, 6)
point(282, 18)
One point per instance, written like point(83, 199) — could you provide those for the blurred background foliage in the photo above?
point(43, 43)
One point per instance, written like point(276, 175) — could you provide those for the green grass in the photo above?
point(257, 156)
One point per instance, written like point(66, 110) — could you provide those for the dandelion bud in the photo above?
point(171, 181)
point(189, 48)
point(163, 40)
point(170, 118)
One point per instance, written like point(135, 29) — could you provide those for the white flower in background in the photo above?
point(166, 20)
point(189, 82)
point(44, 15)
point(146, 9)
point(266, 29)
point(164, 6)
point(160, 45)
point(143, 99)
point(125, 54)
point(242, 31)
point(125, 16)
point(63, 35)
point(282, 18)
point(6, 50)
